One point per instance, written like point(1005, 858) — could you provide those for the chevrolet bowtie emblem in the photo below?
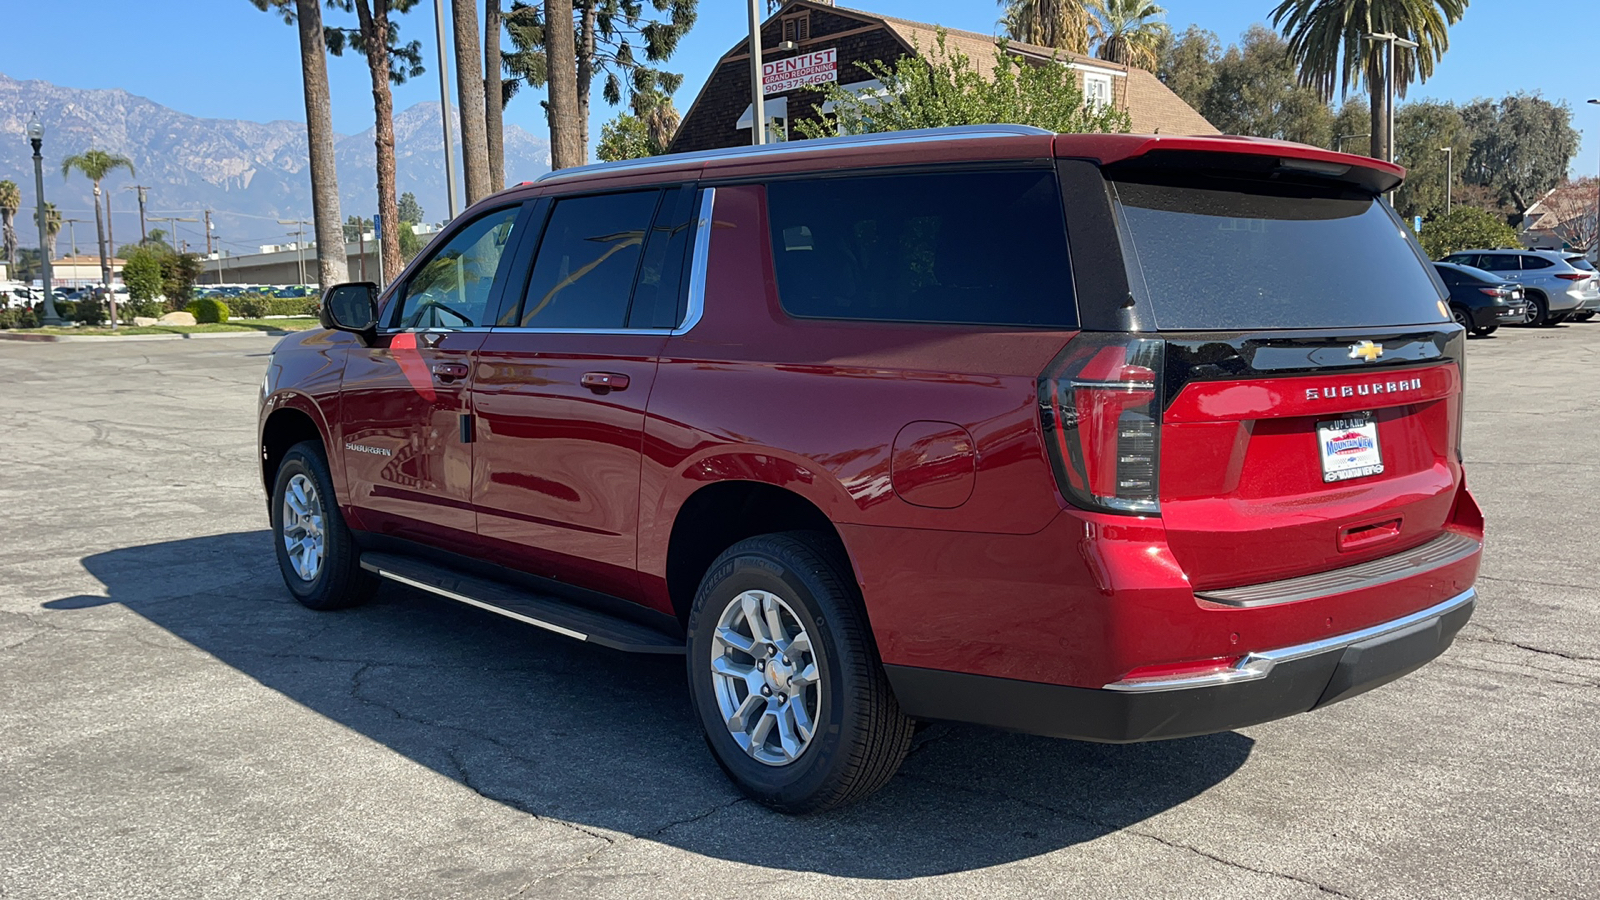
point(1366, 350)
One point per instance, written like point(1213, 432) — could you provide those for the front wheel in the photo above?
point(317, 555)
point(785, 677)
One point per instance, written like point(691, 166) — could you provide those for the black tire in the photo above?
point(1486, 330)
point(340, 581)
point(1538, 311)
point(1584, 316)
point(1461, 316)
point(860, 736)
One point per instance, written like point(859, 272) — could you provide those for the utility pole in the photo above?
point(1449, 175)
point(299, 235)
point(172, 221)
point(144, 235)
point(1596, 241)
point(444, 111)
point(208, 232)
point(758, 106)
point(72, 233)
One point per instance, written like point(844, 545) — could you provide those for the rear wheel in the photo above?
point(1486, 330)
point(1538, 311)
point(317, 555)
point(1584, 316)
point(786, 680)
point(1459, 314)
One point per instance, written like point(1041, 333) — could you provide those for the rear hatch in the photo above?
point(1295, 404)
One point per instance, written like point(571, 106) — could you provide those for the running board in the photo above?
point(549, 613)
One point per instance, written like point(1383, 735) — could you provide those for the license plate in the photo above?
point(1349, 447)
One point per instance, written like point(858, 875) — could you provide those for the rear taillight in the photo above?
point(1495, 292)
point(1572, 276)
point(1100, 405)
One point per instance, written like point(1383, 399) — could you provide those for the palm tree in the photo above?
point(52, 225)
point(10, 202)
point(470, 105)
point(1326, 43)
point(96, 165)
point(332, 267)
point(1128, 31)
point(1062, 24)
point(494, 95)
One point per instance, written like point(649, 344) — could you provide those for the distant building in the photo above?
point(1562, 219)
point(807, 42)
point(81, 271)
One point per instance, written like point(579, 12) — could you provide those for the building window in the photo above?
point(797, 28)
point(1096, 90)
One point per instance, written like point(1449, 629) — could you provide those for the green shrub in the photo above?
point(248, 306)
point(208, 310)
point(89, 311)
point(150, 309)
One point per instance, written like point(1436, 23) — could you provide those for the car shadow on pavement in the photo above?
point(607, 742)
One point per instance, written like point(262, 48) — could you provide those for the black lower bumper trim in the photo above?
point(1094, 714)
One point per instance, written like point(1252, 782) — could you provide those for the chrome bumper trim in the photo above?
point(1259, 664)
point(1443, 550)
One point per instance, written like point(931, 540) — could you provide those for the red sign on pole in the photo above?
point(816, 67)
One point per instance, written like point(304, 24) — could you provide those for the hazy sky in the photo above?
point(225, 59)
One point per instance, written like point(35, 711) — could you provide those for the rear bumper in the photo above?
point(1262, 686)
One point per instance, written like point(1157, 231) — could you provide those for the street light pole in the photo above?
point(1449, 175)
point(36, 138)
point(299, 243)
point(1338, 144)
point(758, 106)
point(1596, 241)
point(444, 112)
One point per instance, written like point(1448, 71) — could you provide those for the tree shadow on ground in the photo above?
point(604, 740)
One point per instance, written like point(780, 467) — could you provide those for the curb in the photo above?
point(91, 338)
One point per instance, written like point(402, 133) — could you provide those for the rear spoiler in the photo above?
point(1244, 154)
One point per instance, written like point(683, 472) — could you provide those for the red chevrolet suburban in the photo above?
point(1106, 437)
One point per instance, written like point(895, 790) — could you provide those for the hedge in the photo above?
point(208, 310)
point(256, 306)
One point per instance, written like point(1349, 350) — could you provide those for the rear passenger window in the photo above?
point(1498, 262)
point(977, 248)
point(584, 272)
point(1536, 262)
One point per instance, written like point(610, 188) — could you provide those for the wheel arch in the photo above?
point(292, 420)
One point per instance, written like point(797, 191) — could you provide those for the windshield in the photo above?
point(1578, 262)
point(1241, 255)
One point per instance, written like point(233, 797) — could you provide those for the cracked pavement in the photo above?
point(175, 726)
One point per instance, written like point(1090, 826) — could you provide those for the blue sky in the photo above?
point(225, 59)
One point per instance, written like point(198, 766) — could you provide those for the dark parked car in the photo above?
point(1482, 301)
point(1092, 436)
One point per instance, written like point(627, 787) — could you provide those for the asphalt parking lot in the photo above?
point(173, 725)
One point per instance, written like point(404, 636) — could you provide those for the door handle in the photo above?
point(604, 382)
point(448, 372)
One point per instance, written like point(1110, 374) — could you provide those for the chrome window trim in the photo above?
point(961, 132)
point(1259, 664)
point(697, 288)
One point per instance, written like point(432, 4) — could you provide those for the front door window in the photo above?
point(452, 288)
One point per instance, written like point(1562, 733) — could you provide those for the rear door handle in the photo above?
point(448, 372)
point(604, 382)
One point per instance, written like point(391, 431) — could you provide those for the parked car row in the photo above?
point(290, 291)
point(1490, 288)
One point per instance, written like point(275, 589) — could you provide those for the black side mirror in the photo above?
point(351, 307)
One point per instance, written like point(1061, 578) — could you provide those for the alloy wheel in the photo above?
point(765, 675)
point(303, 536)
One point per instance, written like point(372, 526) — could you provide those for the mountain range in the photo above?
point(249, 174)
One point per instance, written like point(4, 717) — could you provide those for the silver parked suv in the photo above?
point(1559, 286)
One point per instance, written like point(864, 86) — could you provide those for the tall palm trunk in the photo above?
point(105, 259)
point(469, 95)
point(332, 264)
point(585, 51)
point(10, 237)
point(375, 29)
point(493, 100)
point(566, 149)
point(1378, 84)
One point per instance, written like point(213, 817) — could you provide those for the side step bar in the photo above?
point(549, 613)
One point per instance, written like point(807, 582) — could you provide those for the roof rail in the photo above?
point(959, 132)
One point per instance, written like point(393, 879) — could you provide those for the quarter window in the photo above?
point(453, 287)
point(1536, 262)
point(584, 274)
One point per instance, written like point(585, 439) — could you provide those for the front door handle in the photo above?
point(604, 382)
point(449, 372)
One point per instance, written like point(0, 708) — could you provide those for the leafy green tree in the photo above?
point(141, 272)
point(1326, 43)
point(1254, 92)
point(179, 272)
point(625, 137)
point(1521, 146)
point(355, 226)
point(410, 210)
point(1465, 227)
point(10, 202)
point(1350, 126)
point(410, 243)
point(940, 89)
point(1421, 129)
point(1059, 24)
point(96, 165)
point(1129, 32)
point(1187, 63)
point(157, 238)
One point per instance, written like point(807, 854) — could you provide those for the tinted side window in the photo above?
point(1536, 262)
point(584, 272)
point(452, 288)
point(1498, 262)
point(980, 248)
point(655, 297)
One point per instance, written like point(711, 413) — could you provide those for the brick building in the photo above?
point(812, 41)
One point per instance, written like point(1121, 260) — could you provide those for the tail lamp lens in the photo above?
point(1573, 276)
point(1100, 405)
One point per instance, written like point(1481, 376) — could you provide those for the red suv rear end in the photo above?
point(1105, 437)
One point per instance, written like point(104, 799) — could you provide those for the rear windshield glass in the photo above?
point(1229, 257)
point(1578, 262)
point(978, 248)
